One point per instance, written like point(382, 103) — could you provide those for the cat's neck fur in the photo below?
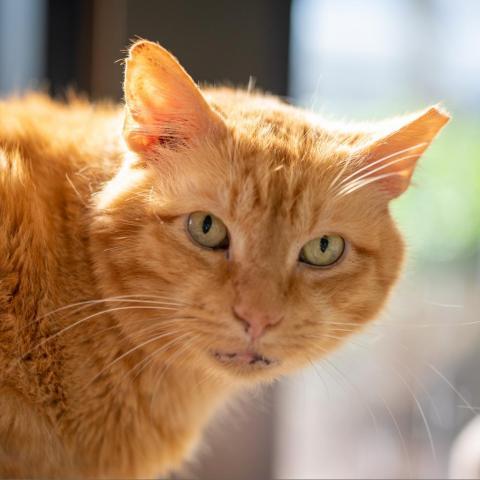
point(53, 353)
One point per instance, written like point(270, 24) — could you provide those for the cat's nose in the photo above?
point(255, 321)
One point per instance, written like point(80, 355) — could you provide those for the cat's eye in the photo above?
point(323, 251)
point(208, 230)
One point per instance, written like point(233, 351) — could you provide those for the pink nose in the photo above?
point(254, 321)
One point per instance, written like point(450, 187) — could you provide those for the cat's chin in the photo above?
point(244, 362)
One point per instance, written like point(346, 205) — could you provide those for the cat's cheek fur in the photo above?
point(162, 260)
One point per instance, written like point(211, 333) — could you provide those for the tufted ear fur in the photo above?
point(390, 160)
point(164, 107)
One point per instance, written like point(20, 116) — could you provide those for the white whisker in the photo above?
point(370, 173)
point(364, 183)
point(87, 303)
point(89, 317)
point(137, 347)
point(459, 395)
point(380, 160)
point(417, 403)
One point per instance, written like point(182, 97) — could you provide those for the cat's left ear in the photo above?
point(164, 107)
point(389, 161)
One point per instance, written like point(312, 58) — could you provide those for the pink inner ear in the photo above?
point(165, 109)
point(159, 115)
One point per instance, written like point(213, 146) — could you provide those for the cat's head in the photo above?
point(244, 235)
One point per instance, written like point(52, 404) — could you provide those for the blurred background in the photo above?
point(394, 401)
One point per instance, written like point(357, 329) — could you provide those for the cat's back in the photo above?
point(52, 136)
point(53, 156)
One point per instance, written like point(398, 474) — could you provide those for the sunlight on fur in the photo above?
point(157, 258)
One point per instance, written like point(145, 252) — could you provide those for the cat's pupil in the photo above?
point(324, 244)
point(207, 224)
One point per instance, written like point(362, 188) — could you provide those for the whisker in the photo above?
point(419, 407)
point(89, 317)
point(188, 346)
point(163, 372)
point(395, 423)
point(161, 324)
point(445, 305)
point(380, 160)
point(399, 433)
point(340, 173)
point(148, 360)
point(348, 330)
point(87, 303)
point(355, 390)
point(130, 351)
point(324, 383)
point(366, 182)
point(422, 414)
point(459, 395)
point(151, 357)
point(370, 173)
point(475, 409)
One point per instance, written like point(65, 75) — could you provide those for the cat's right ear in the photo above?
point(390, 159)
point(164, 107)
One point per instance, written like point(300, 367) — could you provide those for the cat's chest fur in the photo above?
point(145, 424)
point(124, 423)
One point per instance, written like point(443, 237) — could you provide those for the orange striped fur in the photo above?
point(110, 314)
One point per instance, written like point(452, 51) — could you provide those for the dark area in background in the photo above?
point(219, 40)
point(216, 41)
point(69, 45)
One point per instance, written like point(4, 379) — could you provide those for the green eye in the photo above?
point(323, 251)
point(207, 230)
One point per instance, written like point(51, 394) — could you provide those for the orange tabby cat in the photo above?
point(223, 239)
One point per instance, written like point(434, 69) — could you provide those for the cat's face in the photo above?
point(253, 239)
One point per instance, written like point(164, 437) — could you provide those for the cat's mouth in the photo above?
point(244, 358)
